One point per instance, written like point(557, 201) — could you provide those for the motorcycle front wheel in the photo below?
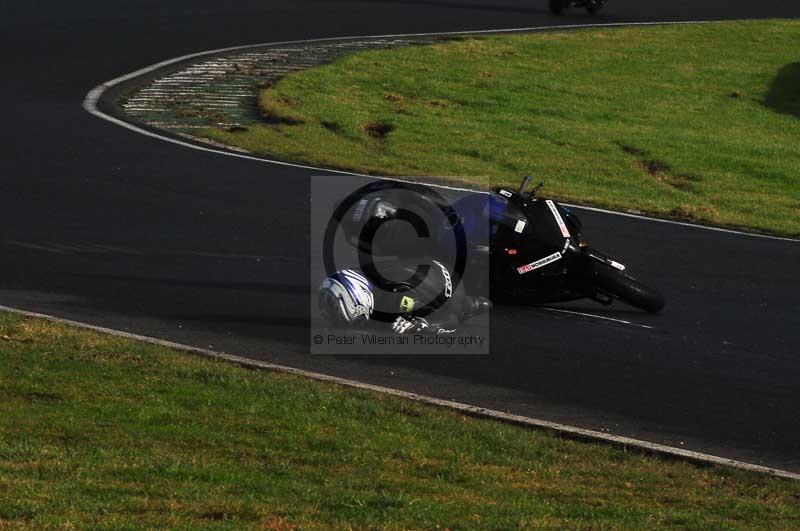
point(620, 286)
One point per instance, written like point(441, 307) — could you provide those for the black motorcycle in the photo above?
point(536, 253)
point(557, 7)
point(529, 249)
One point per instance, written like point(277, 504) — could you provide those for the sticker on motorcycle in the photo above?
point(506, 193)
point(520, 226)
point(559, 219)
point(555, 257)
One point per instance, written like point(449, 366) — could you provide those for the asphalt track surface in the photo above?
point(105, 226)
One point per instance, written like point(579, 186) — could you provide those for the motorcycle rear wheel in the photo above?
point(620, 286)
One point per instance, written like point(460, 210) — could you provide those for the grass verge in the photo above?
point(691, 122)
point(97, 431)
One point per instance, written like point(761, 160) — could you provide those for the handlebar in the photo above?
point(525, 182)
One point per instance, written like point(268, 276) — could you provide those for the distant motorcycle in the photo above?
point(557, 7)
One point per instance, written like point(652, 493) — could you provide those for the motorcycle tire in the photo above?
point(557, 6)
point(620, 286)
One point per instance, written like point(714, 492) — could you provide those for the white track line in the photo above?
point(683, 223)
point(94, 95)
point(593, 316)
point(457, 406)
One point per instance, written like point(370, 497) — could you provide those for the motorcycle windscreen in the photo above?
point(530, 233)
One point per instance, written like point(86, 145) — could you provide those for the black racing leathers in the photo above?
point(415, 297)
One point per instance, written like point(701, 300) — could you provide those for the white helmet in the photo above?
point(345, 298)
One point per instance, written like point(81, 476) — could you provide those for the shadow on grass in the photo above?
point(784, 93)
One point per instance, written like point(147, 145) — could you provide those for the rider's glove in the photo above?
point(414, 325)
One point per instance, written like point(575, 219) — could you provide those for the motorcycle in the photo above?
point(557, 7)
point(527, 248)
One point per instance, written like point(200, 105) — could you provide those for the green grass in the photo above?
point(691, 122)
point(101, 432)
